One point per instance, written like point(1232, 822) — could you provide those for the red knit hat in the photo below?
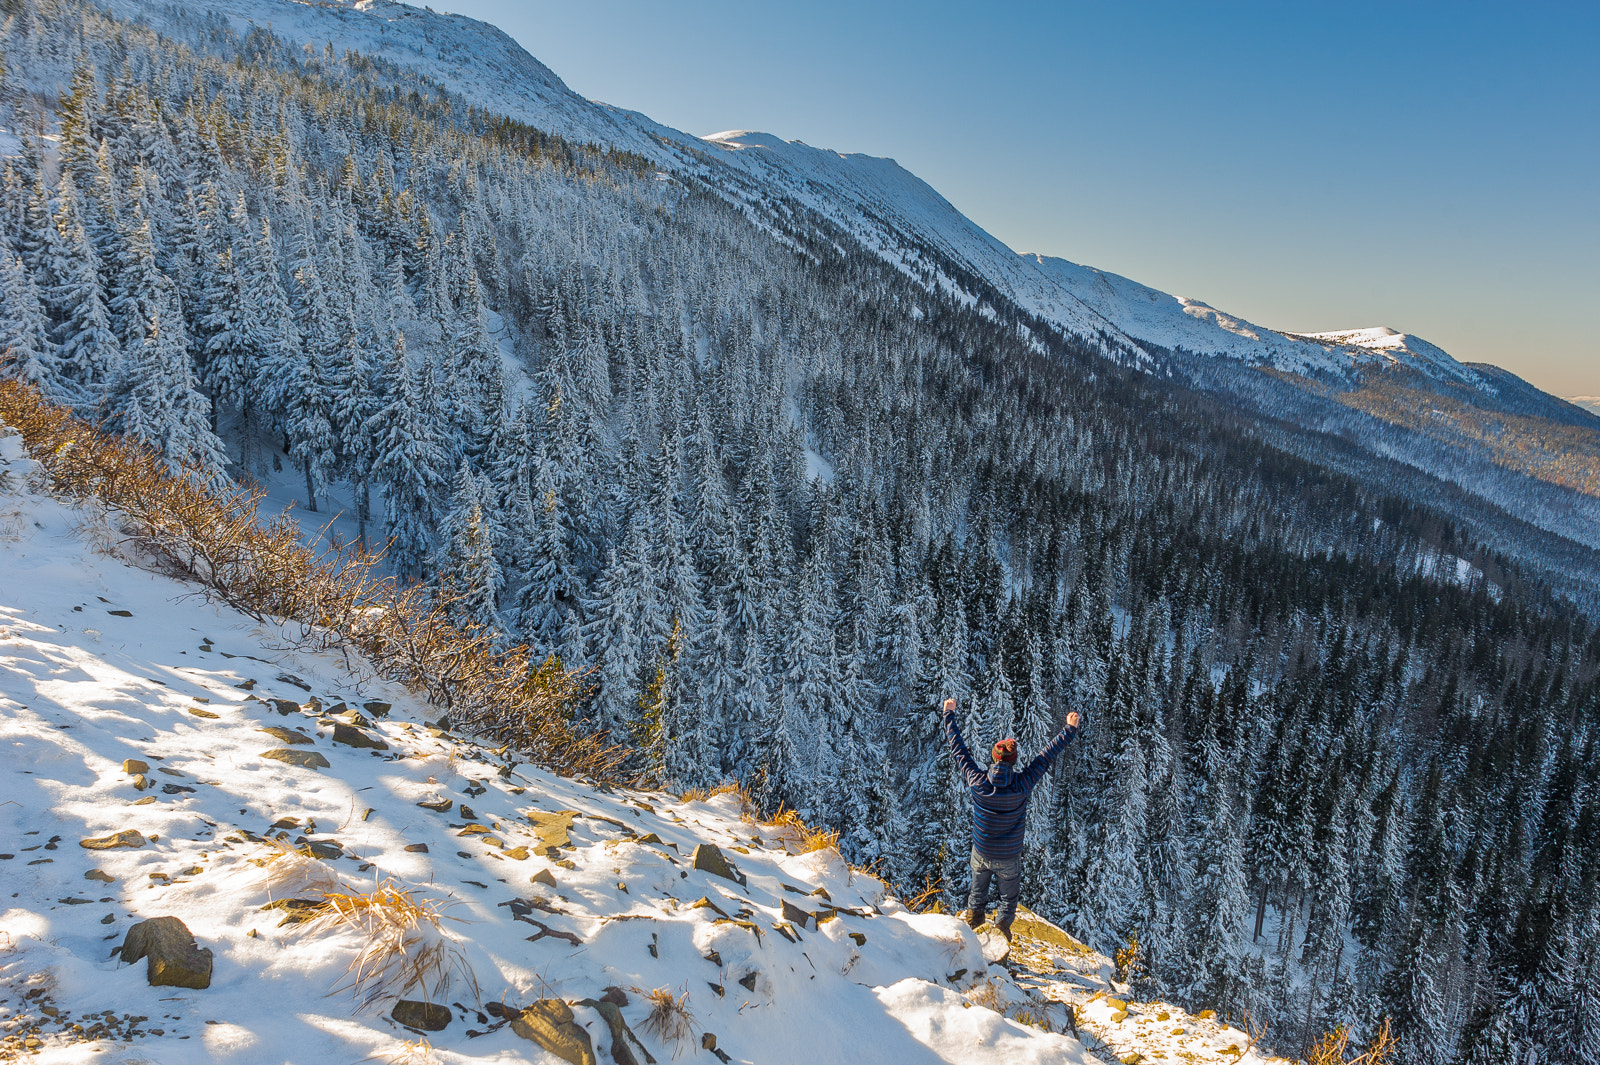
point(1004, 751)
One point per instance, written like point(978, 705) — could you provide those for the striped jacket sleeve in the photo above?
point(1041, 765)
point(958, 751)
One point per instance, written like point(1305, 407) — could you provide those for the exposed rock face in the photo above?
point(172, 957)
point(351, 736)
point(549, 1023)
point(428, 1016)
point(708, 858)
point(287, 735)
point(131, 838)
point(552, 828)
point(797, 916)
point(303, 759)
point(621, 1034)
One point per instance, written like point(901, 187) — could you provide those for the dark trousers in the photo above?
point(1008, 873)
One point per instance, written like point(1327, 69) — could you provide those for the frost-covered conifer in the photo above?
point(408, 467)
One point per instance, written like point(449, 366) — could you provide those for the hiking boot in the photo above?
point(974, 919)
point(1005, 930)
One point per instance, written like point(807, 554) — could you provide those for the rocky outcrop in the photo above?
point(708, 858)
point(550, 1024)
point(172, 957)
point(129, 838)
point(303, 759)
point(425, 1016)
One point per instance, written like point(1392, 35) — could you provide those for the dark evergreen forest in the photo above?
point(1339, 758)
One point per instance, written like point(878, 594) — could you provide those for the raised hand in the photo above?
point(1072, 719)
point(949, 706)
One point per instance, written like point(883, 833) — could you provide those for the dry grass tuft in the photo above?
point(793, 831)
point(987, 995)
point(1332, 1047)
point(404, 945)
point(749, 809)
point(337, 598)
point(670, 1020)
point(929, 898)
point(292, 873)
point(1039, 1019)
point(408, 1052)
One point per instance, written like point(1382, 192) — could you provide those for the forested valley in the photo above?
point(777, 500)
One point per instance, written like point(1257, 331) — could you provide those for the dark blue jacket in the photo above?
point(1000, 796)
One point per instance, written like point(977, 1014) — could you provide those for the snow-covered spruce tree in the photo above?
point(26, 350)
point(466, 568)
point(407, 466)
point(90, 354)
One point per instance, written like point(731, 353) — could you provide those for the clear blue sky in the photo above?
point(1430, 167)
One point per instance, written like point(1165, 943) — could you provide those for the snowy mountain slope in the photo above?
point(1590, 403)
point(1176, 322)
point(101, 662)
point(475, 59)
point(889, 210)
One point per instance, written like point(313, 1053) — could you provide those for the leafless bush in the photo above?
point(220, 542)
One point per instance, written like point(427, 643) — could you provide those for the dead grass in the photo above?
point(987, 995)
point(670, 1019)
point(799, 837)
point(747, 803)
point(293, 874)
point(929, 898)
point(405, 950)
point(1332, 1047)
point(1039, 1019)
point(333, 599)
point(404, 945)
point(407, 1052)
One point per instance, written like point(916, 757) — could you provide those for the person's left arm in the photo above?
point(1041, 765)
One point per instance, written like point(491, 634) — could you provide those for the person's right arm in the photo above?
point(958, 750)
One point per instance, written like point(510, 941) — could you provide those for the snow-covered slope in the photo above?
point(1591, 403)
point(549, 889)
point(889, 210)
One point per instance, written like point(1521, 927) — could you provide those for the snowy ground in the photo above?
point(800, 960)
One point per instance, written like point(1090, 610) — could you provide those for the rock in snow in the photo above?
point(172, 957)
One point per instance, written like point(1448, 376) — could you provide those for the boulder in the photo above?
point(428, 1016)
point(291, 736)
point(286, 706)
point(130, 838)
point(552, 828)
point(376, 708)
point(606, 1007)
point(351, 736)
point(133, 766)
point(796, 916)
point(172, 957)
point(303, 759)
point(709, 859)
point(550, 1024)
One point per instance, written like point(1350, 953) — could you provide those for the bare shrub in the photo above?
point(670, 1020)
point(1332, 1047)
point(335, 598)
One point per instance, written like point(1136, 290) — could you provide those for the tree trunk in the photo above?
point(1261, 911)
